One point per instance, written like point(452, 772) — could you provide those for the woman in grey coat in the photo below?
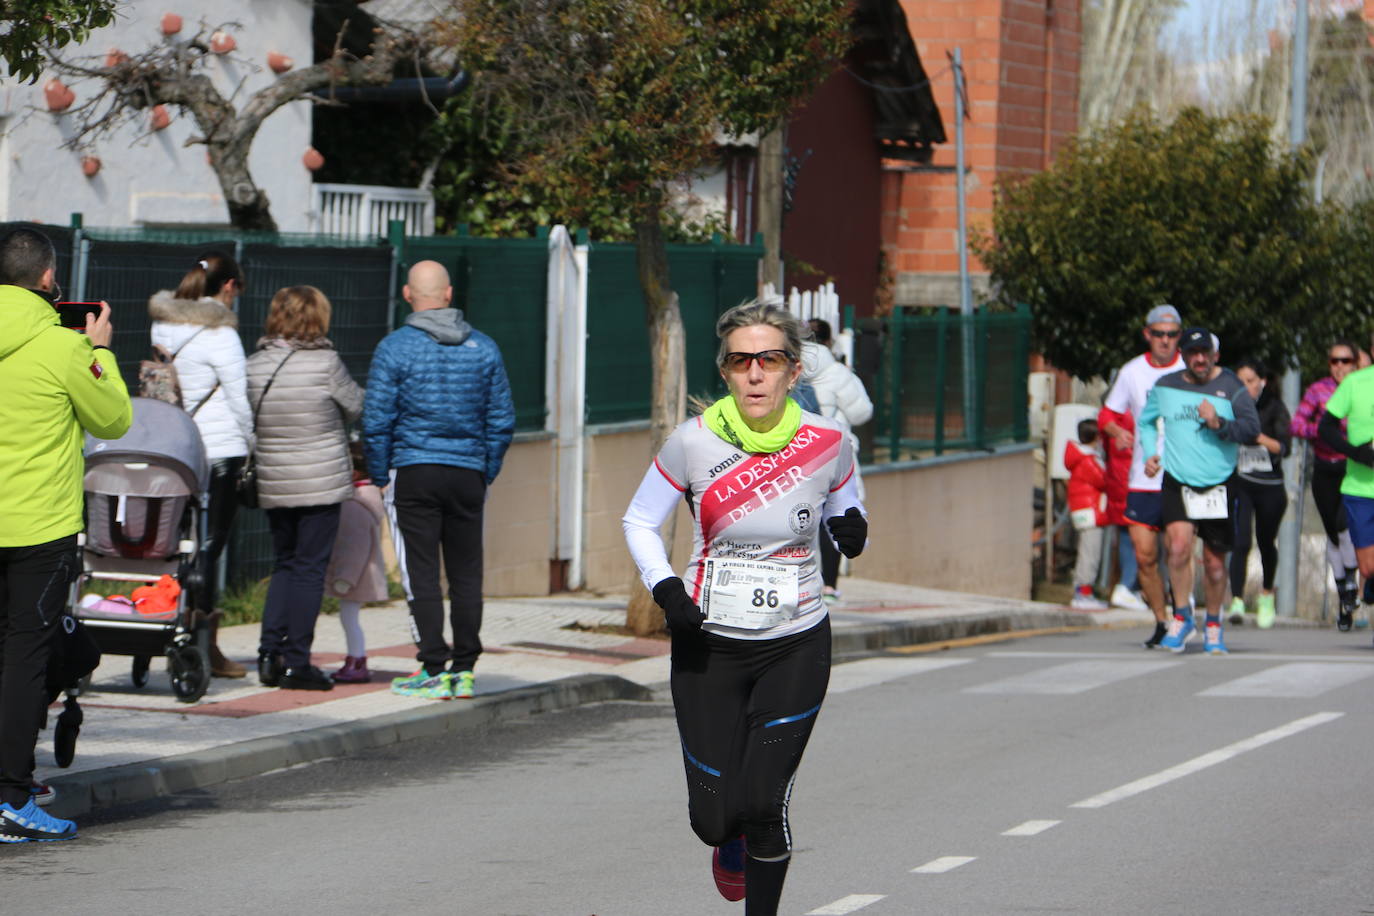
point(303, 398)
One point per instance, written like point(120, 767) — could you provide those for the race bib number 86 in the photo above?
point(748, 594)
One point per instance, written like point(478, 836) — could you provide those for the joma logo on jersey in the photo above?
point(728, 462)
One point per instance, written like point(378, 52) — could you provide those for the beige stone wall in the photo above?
point(616, 463)
point(518, 540)
point(963, 524)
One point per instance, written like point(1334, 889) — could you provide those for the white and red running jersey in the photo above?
point(766, 507)
point(1128, 394)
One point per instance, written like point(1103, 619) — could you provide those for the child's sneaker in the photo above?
point(424, 684)
point(42, 793)
point(32, 823)
point(462, 685)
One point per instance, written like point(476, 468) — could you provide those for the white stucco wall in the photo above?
point(155, 179)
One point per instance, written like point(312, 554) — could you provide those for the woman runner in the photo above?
point(750, 632)
point(1328, 470)
point(1259, 501)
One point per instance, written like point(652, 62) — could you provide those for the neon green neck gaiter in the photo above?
point(724, 419)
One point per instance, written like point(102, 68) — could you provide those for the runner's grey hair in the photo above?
point(755, 312)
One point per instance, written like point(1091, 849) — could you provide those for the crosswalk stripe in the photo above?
point(1030, 828)
point(846, 905)
point(872, 671)
point(1210, 759)
point(1298, 679)
point(1074, 677)
point(941, 865)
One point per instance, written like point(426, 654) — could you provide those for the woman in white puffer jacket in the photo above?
point(197, 324)
point(841, 397)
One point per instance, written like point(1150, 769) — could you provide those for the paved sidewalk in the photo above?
point(541, 654)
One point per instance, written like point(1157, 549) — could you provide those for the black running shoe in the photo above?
point(1160, 632)
point(1345, 617)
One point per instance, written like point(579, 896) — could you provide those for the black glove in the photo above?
point(850, 531)
point(1364, 454)
point(681, 612)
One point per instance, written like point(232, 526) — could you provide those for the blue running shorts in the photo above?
point(1359, 512)
point(1145, 507)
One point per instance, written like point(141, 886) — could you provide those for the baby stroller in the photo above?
point(145, 521)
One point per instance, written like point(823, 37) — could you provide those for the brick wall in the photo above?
point(1021, 65)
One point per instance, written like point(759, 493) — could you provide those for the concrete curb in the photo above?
point(81, 793)
point(889, 634)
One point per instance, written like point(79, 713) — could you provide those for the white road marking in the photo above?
point(1233, 657)
point(1030, 828)
point(846, 905)
point(1297, 679)
point(941, 865)
point(1221, 755)
point(871, 671)
point(1074, 677)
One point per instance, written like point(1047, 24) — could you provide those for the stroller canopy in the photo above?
point(162, 435)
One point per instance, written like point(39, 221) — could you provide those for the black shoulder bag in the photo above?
point(248, 480)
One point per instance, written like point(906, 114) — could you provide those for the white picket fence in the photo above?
point(363, 210)
point(823, 303)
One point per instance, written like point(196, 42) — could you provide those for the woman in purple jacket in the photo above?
point(1327, 472)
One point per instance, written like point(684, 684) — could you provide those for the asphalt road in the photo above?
point(1064, 774)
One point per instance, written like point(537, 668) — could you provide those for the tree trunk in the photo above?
point(770, 209)
point(667, 344)
point(247, 203)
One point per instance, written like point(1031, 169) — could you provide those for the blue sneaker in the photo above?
point(1212, 641)
point(32, 823)
point(1181, 629)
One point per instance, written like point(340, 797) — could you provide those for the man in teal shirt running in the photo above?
point(1208, 414)
point(1353, 401)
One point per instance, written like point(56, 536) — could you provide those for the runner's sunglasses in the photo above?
point(769, 360)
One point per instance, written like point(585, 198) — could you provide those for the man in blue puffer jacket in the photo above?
point(437, 420)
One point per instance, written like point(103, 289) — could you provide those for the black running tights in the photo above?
point(1264, 504)
point(745, 710)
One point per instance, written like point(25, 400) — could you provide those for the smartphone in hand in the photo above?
point(73, 314)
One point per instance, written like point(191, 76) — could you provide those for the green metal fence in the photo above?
point(928, 404)
point(708, 280)
point(500, 284)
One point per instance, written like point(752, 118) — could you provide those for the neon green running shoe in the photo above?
point(462, 685)
point(1237, 612)
point(1264, 611)
point(422, 684)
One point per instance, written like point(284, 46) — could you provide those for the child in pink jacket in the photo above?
point(357, 569)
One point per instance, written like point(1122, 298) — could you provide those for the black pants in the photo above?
point(438, 508)
point(1265, 505)
point(745, 710)
point(1326, 493)
point(224, 505)
point(302, 543)
point(34, 584)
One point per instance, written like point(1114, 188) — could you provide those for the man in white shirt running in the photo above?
point(1144, 509)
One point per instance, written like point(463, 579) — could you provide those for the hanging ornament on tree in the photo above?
point(222, 43)
point(57, 95)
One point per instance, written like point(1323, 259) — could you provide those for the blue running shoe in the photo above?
point(32, 823)
point(727, 867)
point(1181, 629)
point(1212, 641)
point(423, 684)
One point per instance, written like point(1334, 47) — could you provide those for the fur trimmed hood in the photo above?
point(208, 313)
